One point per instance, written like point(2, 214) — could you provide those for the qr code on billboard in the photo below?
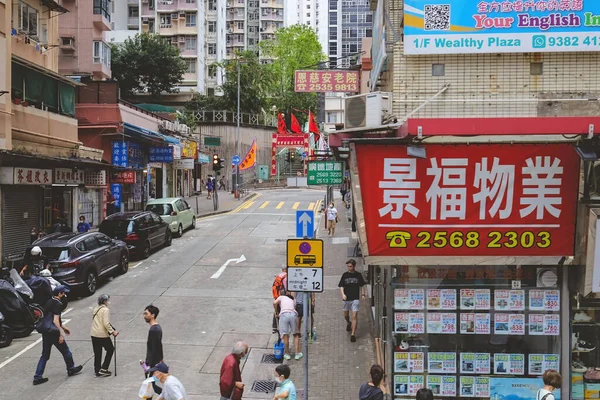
point(437, 17)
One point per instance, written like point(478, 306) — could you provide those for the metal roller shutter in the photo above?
point(21, 209)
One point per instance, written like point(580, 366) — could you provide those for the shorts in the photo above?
point(330, 224)
point(300, 310)
point(288, 323)
point(352, 305)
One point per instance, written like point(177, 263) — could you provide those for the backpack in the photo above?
point(278, 286)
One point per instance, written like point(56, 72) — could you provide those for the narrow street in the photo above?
point(202, 312)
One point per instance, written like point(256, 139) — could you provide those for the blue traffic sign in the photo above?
point(236, 160)
point(304, 154)
point(305, 224)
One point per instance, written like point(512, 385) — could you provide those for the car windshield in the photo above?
point(56, 253)
point(160, 209)
point(116, 228)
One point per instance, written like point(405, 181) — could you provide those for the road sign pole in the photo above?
point(306, 325)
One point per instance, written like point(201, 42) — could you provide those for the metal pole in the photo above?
point(237, 167)
point(306, 325)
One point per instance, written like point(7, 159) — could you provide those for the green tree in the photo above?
point(146, 61)
point(293, 48)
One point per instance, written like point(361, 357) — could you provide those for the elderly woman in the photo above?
point(101, 331)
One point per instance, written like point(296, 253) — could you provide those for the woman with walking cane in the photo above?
point(102, 329)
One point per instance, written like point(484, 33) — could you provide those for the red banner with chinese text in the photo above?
point(123, 177)
point(327, 81)
point(469, 200)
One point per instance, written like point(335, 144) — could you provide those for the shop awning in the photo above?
point(170, 139)
point(11, 158)
point(147, 134)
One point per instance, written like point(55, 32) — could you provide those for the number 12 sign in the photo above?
point(305, 279)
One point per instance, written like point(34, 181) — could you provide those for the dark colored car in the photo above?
point(80, 259)
point(143, 231)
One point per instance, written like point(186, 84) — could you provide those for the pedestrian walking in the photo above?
point(230, 382)
point(110, 203)
point(288, 324)
point(54, 335)
point(278, 288)
point(287, 391)
point(552, 381)
point(424, 394)
point(209, 187)
point(301, 299)
point(332, 219)
point(83, 226)
point(351, 285)
point(221, 184)
point(371, 390)
point(172, 388)
point(101, 332)
point(154, 347)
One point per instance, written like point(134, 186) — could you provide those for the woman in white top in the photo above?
point(331, 218)
point(552, 380)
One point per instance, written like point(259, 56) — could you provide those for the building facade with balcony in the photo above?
point(313, 13)
point(44, 168)
point(83, 51)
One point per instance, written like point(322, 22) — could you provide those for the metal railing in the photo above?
point(230, 117)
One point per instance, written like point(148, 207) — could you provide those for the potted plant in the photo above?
point(17, 96)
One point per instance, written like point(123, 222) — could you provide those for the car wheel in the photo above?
point(91, 283)
point(180, 231)
point(193, 222)
point(124, 264)
point(146, 251)
point(6, 337)
point(168, 238)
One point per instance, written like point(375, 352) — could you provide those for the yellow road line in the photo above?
point(295, 206)
point(311, 206)
point(248, 205)
point(317, 206)
point(281, 203)
point(265, 204)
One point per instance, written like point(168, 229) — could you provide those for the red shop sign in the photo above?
point(123, 177)
point(290, 140)
point(477, 200)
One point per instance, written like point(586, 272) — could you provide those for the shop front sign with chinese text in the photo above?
point(327, 81)
point(469, 200)
point(189, 149)
point(32, 176)
point(123, 177)
point(161, 154)
point(69, 176)
point(325, 173)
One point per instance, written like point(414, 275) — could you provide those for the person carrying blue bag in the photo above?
point(53, 334)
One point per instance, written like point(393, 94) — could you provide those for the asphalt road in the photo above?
point(204, 305)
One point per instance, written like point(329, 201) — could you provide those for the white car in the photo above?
point(174, 211)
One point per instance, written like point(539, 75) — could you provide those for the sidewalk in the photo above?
point(204, 207)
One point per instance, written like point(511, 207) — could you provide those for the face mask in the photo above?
point(155, 379)
point(244, 357)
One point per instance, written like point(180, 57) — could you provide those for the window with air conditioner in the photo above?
point(191, 43)
point(28, 19)
point(190, 66)
point(190, 20)
point(67, 41)
point(101, 53)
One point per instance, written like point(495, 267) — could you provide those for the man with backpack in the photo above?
point(279, 288)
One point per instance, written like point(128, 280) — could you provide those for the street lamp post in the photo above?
point(237, 167)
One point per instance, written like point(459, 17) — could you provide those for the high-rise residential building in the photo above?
point(349, 22)
point(82, 49)
point(313, 13)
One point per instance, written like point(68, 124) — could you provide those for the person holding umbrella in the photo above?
point(101, 331)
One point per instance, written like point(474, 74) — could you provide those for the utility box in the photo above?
point(263, 172)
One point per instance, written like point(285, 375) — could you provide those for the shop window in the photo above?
point(467, 331)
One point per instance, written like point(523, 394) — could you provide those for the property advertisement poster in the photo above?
point(538, 363)
point(442, 323)
point(401, 300)
point(467, 323)
point(467, 299)
point(516, 324)
point(516, 301)
point(416, 323)
point(401, 322)
point(551, 324)
point(482, 299)
point(482, 324)
point(441, 363)
point(474, 363)
point(448, 299)
point(544, 300)
point(501, 324)
point(517, 388)
point(509, 364)
point(406, 362)
point(482, 386)
point(442, 385)
point(416, 299)
point(501, 298)
point(474, 386)
point(434, 299)
point(482, 363)
point(408, 385)
point(536, 324)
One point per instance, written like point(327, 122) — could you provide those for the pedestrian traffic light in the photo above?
point(221, 163)
point(215, 162)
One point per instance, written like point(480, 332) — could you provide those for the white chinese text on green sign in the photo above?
point(325, 173)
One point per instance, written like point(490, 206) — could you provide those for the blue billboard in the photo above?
point(161, 154)
point(504, 26)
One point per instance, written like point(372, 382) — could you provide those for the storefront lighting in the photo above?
point(586, 153)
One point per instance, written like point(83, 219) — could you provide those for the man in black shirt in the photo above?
point(154, 349)
point(351, 284)
point(55, 338)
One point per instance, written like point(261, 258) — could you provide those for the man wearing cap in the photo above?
point(55, 338)
point(172, 388)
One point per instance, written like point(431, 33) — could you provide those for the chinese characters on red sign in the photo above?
point(32, 176)
point(488, 200)
point(123, 177)
point(327, 81)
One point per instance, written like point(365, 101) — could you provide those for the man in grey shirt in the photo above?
point(172, 388)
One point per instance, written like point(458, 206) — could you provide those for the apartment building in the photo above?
point(313, 13)
point(82, 51)
point(349, 22)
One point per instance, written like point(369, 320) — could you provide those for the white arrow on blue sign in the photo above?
point(235, 160)
point(305, 224)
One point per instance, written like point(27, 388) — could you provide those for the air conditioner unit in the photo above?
point(367, 110)
point(182, 39)
point(230, 30)
point(145, 20)
point(181, 15)
point(174, 16)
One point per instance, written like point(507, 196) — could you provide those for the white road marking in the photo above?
point(276, 214)
point(340, 240)
point(136, 265)
point(217, 274)
point(32, 345)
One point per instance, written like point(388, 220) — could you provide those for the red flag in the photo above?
point(313, 127)
point(281, 127)
point(295, 128)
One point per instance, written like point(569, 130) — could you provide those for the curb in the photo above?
point(210, 214)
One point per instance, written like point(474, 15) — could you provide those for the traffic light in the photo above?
point(293, 156)
point(216, 162)
point(221, 163)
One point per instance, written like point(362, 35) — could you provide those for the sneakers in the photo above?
point(105, 372)
point(581, 316)
point(298, 356)
point(404, 346)
point(578, 366)
point(574, 340)
point(353, 338)
point(287, 357)
point(75, 370)
point(584, 347)
point(39, 381)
